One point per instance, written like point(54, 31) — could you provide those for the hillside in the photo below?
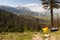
point(18, 10)
point(10, 22)
point(26, 11)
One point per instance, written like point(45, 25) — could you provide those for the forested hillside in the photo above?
point(10, 22)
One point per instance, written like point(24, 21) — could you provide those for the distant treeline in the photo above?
point(10, 22)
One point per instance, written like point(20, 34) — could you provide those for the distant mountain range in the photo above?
point(19, 10)
point(25, 11)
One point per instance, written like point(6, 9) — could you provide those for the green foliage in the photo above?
point(55, 3)
point(16, 36)
point(10, 22)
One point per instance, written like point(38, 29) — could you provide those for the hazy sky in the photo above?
point(34, 5)
point(18, 2)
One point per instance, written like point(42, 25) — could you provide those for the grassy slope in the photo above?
point(16, 36)
point(28, 36)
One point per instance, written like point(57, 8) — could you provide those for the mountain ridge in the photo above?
point(21, 10)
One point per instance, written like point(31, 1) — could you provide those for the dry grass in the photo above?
point(28, 36)
point(16, 36)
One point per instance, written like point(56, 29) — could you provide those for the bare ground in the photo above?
point(39, 36)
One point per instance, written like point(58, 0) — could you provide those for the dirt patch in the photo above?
point(40, 37)
point(37, 37)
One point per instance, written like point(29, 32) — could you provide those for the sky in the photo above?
point(34, 5)
point(18, 2)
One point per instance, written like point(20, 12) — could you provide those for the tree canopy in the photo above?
point(54, 3)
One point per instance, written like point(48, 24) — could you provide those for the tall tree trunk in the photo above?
point(51, 13)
